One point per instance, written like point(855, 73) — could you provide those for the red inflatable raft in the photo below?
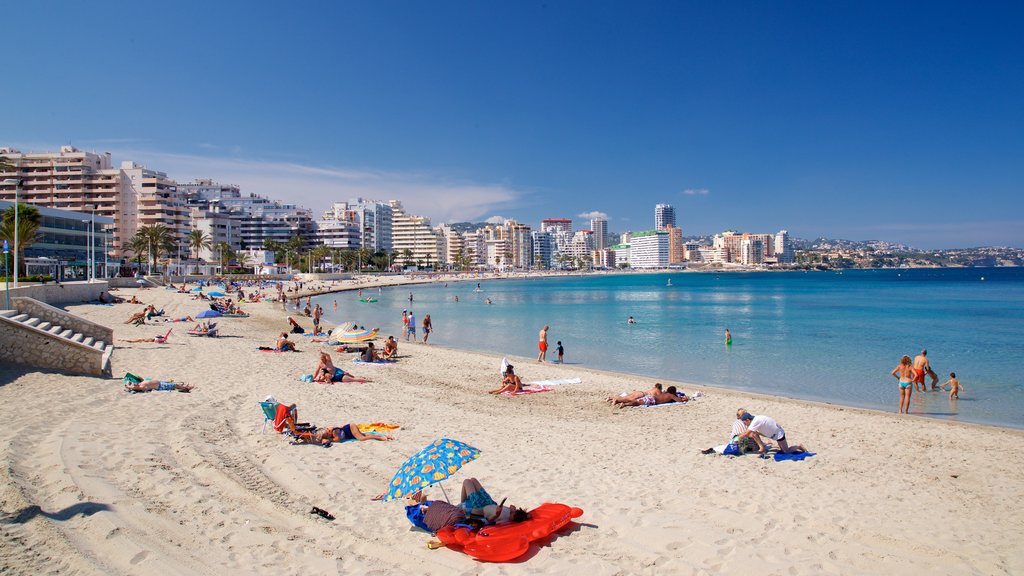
point(509, 541)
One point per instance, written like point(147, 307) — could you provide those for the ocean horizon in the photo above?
point(823, 336)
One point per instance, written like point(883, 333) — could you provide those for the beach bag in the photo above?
point(732, 449)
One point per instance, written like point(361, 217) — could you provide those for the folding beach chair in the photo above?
point(269, 413)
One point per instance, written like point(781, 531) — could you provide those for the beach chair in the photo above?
point(269, 413)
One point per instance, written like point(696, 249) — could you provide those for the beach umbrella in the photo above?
point(431, 465)
point(197, 289)
point(216, 294)
point(209, 314)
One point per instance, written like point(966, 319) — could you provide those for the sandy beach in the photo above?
point(99, 481)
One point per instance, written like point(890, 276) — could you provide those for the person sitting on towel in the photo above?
point(370, 354)
point(390, 348)
point(509, 382)
point(284, 344)
point(324, 369)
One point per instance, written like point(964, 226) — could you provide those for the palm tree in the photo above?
point(364, 256)
point(406, 256)
point(226, 255)
point(138, 245)
point(29, 221)
point(159, 238)
point(244, 260)
point(199, 240)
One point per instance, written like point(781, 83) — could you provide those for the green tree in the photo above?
point(29, 222)
point(198, 241)
point(223, 250)
point(138, 246)
point(406, 256)
point(364, 257)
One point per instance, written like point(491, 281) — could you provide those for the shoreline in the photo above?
point(98, 481)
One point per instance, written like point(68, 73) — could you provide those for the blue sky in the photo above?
point(899, 121)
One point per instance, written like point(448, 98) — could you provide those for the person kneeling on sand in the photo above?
point(509, 383)
point(758, 426)
point(163, 386)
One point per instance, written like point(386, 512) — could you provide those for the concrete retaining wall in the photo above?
point(54, 294)
point(58, 317)
point(29, 346)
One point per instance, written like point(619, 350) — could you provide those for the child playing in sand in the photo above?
point(955, 386)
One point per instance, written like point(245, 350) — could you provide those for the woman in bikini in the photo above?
point(640, 396)
point(324, 372)
point(904, 372)
point(346, 432)
point(509, 383)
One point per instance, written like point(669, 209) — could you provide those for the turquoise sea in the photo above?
point(826, 336)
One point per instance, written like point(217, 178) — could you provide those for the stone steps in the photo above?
point(39, 319)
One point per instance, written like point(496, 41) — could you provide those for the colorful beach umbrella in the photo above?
point(209, 314)
point(429, 466)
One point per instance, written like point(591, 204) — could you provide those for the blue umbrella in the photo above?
point(208, 314)
point(429, 466)
point(216, 294)
point(197, 289)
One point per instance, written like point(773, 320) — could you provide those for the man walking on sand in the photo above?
point(543, 344)
point(921, 367)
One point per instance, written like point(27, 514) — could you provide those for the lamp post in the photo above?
point(88, 254)
point(17, 186)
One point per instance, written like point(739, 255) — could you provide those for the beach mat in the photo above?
point(526, 391)
point(558, 382)
point(358, 360)
point(779, 457)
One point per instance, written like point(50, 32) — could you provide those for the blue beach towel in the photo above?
point(779, 457)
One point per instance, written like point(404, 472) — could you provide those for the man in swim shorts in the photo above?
point(542, 344)
point(921, 368)
point(162, 386)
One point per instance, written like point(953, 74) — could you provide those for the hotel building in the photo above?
point(414, 233)
point(600, 228)
point(649, 249)
point(664, 216)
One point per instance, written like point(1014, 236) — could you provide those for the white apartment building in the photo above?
point(219, 227)
point(71, 179)
point(649, 249)
point(339, 228)
point(542, 249)
point(413, 239)
point(783, 248)
point(751, 251)
point(556, 225)
point(621, 254)
point(600, 228)
point(664, 216)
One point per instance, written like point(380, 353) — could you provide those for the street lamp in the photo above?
point(17, 186)
point(88, 255)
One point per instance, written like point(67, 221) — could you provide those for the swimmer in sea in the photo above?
point(728, 337)
point(630, 321)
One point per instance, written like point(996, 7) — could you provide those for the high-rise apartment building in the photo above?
point(600, 228)
point(783, 248)
point(339, 228)
point(556, 225)
point(69, 179)
point(676, 250)
point(664, 216)
point(413, 239)
point(649, 249)
point(542, 249)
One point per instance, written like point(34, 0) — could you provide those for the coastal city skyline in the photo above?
point(861, 123)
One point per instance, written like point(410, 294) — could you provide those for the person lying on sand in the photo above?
point(182, 319)
point(509, 383)
point(636, 395)
point(669, 396)
point(324, 369)
point(159, 338)
point(329, 435)
point(163, 386)
point(433, 515)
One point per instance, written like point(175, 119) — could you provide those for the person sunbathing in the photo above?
point(140, 316)
point(509, 383)
point(159, 338)
point(284, 344)
point(390, 348)
point(636, 395)
point(182, 319)
point(667, 397)
point(134, 300)
point(327, 436)
point(163, 386)
point(324, 369)
point(433, 515)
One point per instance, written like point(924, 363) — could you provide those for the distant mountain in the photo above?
point(823, 243)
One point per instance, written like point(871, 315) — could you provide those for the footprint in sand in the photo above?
point(139, 557)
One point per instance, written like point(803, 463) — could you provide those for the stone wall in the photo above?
point(28, 346)
point(58, 317)
point(63, 293)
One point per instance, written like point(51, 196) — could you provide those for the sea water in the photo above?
point(826, 336)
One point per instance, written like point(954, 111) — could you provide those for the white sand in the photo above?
point(98, 481)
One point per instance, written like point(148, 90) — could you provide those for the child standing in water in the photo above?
point(560, 351)
point(954, 391)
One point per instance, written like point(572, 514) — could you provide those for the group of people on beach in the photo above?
point(409, 325)
point(911, 375)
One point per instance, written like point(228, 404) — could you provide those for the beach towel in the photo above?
point(661, 405)
point(554, 382)
point(525, 391)
point(306, 378)
point(779, 457)
point(358, 360)
point(377, 427)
